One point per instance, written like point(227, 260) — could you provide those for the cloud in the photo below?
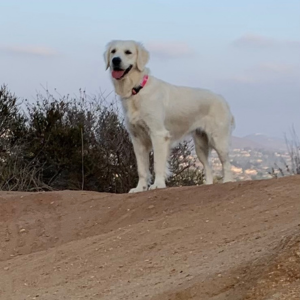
point(169, 49)
point(29, 50)
point(259, 41)
point(279, 68)
point(268, 72)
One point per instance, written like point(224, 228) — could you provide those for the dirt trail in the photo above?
point(225, 241)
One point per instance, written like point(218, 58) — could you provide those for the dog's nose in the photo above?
point(116, 61)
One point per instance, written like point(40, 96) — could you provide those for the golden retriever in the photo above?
point(158, 114)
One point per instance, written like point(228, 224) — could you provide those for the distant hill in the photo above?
point(259, 141)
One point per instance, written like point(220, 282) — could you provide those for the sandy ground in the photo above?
point(224, 241)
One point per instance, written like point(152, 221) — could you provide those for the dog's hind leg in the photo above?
point(202, 150)
point(221, 144)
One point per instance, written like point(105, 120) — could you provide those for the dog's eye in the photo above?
point(113, 51)
point(128, 52)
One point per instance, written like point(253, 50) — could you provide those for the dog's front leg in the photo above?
point(161, 145)
point(142, 160)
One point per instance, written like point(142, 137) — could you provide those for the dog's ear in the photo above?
point(106, 55)
point(142, 57)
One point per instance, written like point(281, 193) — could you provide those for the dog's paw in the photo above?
point(228, 179)
point(138, 190)
point(157, 186)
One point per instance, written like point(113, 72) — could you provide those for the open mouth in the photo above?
point(118, 73)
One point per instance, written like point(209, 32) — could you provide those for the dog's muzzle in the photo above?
point(118, 73)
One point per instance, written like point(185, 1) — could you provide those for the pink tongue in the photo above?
point(117, 74)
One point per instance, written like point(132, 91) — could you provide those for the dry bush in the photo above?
point(293, 166)
point(18, 174)
point(293, 146)
point(82, 144)
point(15, 174)
point(183, 166)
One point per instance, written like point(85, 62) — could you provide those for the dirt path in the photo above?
point(225, 241)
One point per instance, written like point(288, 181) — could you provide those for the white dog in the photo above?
point(158, 114)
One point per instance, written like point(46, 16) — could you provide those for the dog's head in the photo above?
point(123, 56)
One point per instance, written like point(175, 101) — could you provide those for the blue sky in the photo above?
point(248, 51)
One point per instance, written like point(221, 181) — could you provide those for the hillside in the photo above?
point(225, 241)
point(259, 141)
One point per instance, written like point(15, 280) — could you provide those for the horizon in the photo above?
point(247, 52)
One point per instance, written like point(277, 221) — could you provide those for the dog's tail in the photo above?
point(232, 120)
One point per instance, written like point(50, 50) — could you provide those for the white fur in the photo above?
point(162, 113)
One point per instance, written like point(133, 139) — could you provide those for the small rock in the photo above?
point(22, 230)
point(151, 206)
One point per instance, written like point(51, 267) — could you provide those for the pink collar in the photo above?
point(135, 90)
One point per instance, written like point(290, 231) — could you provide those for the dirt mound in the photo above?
point(224, 241)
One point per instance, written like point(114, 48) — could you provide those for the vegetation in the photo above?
point(293, 145)
point(74, 143)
